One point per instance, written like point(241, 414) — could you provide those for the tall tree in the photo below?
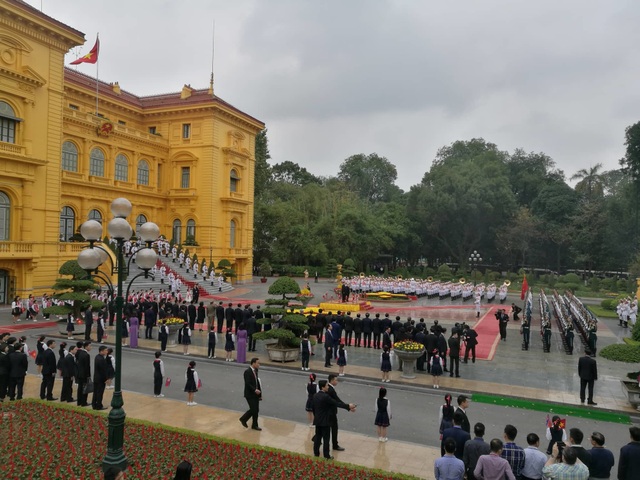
point(372, 176)
point(529, 173)
point(590, 185)
point(262, 156)
point(292, 173)
point(631, 166)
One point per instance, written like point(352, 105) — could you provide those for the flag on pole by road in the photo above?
point(91, 57)
point(525, 288)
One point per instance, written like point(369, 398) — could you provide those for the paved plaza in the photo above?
point(510, 372)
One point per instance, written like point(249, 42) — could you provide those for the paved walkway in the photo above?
point(366, 451)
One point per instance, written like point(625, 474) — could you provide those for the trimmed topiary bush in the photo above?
point(621, 353)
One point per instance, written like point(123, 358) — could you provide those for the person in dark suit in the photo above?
point(192, 311)
point(457, 433)
point(324, 406)
point(470, 340)
point(150, 318)
point(328, 347)
point(332, 382)
point(196, 293)
point(386, 338)
point(5, 366)
point(588, 373)
point(348, 329)
point(238, 315)
point(83, 362)
point(219, 317)
point(250, 324)
point(629, 463)
point(88, 323)
point(367, 329)
point(49, 368)
point(18, 365)
point(454, 353)
point(100, 375)
point(253, 394)
point(463, 404)
point(68, 371)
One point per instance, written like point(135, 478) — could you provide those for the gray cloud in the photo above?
point(397, 77)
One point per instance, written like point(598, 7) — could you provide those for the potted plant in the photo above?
point(264, 270)
point(290, 325)
point(408, 352)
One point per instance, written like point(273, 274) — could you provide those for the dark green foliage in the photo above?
point(75, 289)
point(621, 353)
point(284, 286)
point(291, 324)
point(635, 332)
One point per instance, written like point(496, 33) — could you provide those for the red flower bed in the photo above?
point(50, 442)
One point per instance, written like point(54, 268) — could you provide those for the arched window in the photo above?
point(5, 212)
point(122, 168)
point(95, 215)
point(177, 232)
point(8, 123)
point(69, 157)
point(140, 220)
point(96, 164)
point(191, 230)
point(233, 181)
point(143, 172)
point(67, 223)
point(232, 234)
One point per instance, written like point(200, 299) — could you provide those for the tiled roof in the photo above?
point(25, 6)
point(197, 97)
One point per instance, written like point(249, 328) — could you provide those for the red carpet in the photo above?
point(22, 326)
point(488, 334)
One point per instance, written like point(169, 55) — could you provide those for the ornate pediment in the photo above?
point(13, 62)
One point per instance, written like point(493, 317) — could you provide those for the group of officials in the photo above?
point(73, 363)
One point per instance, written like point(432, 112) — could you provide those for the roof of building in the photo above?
point(197, 96)
point(34, 11)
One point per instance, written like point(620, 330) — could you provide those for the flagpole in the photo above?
point(97, 75)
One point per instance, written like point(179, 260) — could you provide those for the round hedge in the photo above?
point(621, 353)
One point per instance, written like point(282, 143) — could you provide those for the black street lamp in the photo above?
point(90, 260)
point(474, 260)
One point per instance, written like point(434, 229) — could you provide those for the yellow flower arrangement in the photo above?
point(408, 346)
point(173, 321)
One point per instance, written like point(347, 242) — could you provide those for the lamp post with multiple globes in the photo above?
point(474, 260)
point(90, 259)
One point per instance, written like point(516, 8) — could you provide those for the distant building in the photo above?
point(185, 160)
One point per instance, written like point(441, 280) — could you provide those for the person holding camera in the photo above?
point(564, 465)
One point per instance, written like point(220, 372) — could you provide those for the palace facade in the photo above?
point(185, 160)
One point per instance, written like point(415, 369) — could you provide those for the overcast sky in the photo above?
point(400, 78)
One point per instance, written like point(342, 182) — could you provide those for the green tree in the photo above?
point(263, 170)
point(529, 173)
point(292, 173)
point(73, 287)
point(371, 176)
point(590, 185)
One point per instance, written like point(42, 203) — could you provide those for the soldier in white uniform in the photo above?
point(187, 263)
point(205, 272)
point(174, 254)
point(181, 259)
point(196, 269)
point(163, 273)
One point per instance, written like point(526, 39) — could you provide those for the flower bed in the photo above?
point(47, 441)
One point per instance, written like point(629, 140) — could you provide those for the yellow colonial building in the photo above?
point(185, 160)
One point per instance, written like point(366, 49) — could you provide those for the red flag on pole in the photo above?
point(525, 288)
point(91, 57)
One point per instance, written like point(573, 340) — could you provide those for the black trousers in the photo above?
point(321, 436)
point(99, 333)
point(81, 396)
point(87, 332)
point(157, 384)
point(376, 340)
point(4, 386)
point(583, 386)
point(254, 410)
point(347, 337)
point(16, 383)
point(163, 344)
point(327, 355)
point(367, 339)
point(46, 386)
point(305, 359)
point(148, 331)
point(473, 354)
point(251, 343)
point(211, 349)
point(67, 389)
point(219, 326)
point(358, 338)
point(98, 393)
point(454, 364)
point(334, 431)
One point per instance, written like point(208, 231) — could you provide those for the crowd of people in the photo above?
point(466, 454)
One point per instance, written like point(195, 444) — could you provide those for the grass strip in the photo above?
point(602, 312)
point(573, 410)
